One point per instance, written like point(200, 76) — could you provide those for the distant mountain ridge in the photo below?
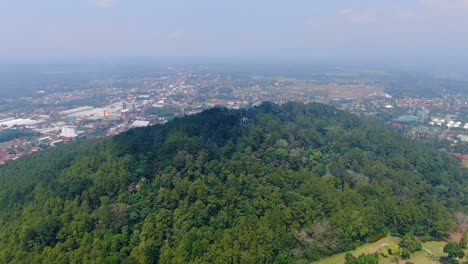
point(270, 184)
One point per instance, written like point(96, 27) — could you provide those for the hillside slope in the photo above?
point(272, 184)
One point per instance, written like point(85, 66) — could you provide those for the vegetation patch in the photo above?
point(272, 184)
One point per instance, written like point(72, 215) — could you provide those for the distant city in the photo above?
point(55, 115)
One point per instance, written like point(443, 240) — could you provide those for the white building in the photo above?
point(140, 123)
point(69, 132)
point(19, 122)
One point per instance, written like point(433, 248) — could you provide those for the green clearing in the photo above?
point(366, 249)
point(430, 254)
point(436, 247)
point(465, 163)
point(421, 257)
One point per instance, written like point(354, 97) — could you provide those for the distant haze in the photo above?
point(407, 30)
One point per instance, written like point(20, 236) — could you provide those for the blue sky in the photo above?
point(293, 28)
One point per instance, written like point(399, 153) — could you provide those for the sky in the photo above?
point(380, 29)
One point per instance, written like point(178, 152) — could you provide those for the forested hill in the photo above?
point(271, 184)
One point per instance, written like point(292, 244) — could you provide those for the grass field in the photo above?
point(465, 163)
point(366, 249)
point(430, 254)
point(320, 88)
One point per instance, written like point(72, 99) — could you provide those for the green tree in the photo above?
point(362, 259)
point(454, 251)
point(409, 244)
point(464, 240)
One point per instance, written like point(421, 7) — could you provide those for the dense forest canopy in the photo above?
point(270, 184)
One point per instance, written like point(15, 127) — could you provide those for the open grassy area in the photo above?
point(436, 247)
point(323, 88)
point(430, 254)
point(366, 249)
point(465, 163)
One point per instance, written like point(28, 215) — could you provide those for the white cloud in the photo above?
point(101, 3)
point(176, 35)
point(446, 4)
point(359, 17)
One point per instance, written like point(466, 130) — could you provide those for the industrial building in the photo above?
point(68, 132)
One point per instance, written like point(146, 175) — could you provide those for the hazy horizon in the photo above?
point(404, 31)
